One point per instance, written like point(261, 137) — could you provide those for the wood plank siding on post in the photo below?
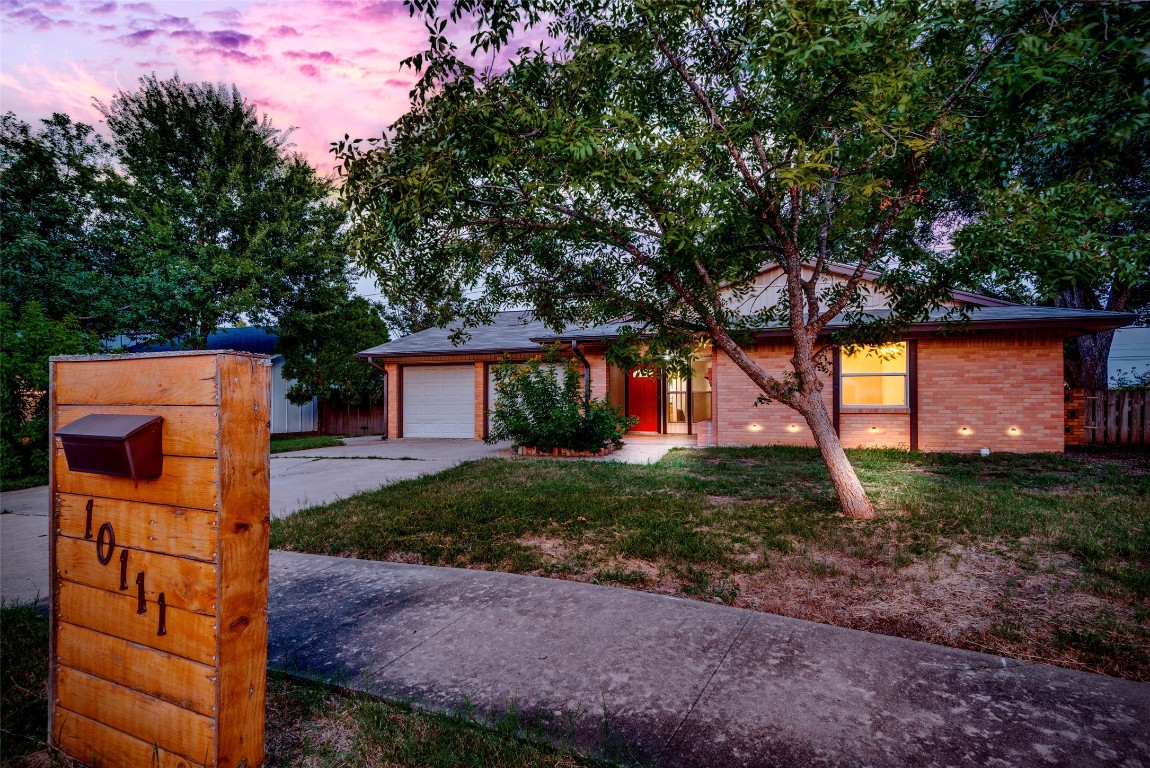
point(159, 621)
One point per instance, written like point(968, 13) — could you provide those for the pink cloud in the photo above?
point(37, 19)
point(324, 56)
point(103, 8)
point(283, 30)
point(231, 54)
point(187, 35)
point(139, 37)
point(140, 8)
point(229, 38)
point(183, 22)
point(309, 70)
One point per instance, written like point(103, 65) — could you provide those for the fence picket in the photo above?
point(1115, 417)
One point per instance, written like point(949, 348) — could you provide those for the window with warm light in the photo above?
point(873, 376)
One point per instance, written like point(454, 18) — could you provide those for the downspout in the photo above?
point(586, 378)
point(386, 425)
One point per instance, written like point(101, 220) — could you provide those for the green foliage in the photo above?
point(318, 348)
point(1055, 191)
point(220, 222)
point(23, 679)
point(540, 403)
point(28, 337)
point(1132, 379)
point(651, 153)
point(54, 183)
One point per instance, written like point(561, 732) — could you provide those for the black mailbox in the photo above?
point(114, 444)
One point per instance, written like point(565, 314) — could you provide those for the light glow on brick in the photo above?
point(1014, 431)
point(792, 427)
point(965, 431)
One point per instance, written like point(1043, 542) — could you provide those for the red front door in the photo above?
point(643, 401)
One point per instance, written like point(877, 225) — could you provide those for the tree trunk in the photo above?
point(1088, 369)
point(852, 497)
point(1093, 361)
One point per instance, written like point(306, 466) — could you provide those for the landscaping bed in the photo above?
point(307, 724)
point(1039, 556)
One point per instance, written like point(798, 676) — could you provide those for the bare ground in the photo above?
point(966, 597)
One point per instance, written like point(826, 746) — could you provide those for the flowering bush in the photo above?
point(540, 404)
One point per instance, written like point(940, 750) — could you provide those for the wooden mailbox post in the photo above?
point(159, 584)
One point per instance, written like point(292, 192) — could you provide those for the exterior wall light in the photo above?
point(792, 427)
point(754, 427)
point(965, 431)
point(874, 430)
point(1014, 431)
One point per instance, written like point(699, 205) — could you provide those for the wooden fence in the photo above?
point(1108, 416)
point(344, 419)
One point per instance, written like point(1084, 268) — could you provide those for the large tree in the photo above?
point(220, 220)
point(650, 156)
point(54, 183)
point(1055, 194)
point(319, 341)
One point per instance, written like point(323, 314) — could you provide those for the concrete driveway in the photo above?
point(302, 479)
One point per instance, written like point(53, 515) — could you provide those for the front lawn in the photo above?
point(307, 724)
point(311, 442)
point(1043, 557)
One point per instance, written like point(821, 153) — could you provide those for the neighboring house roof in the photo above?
point(248, 339)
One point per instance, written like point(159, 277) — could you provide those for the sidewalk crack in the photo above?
point(690, 710)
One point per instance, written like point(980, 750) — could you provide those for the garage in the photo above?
point(439, 401)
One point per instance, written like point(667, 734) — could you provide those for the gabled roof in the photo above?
point(965, 297)
point(508, 332)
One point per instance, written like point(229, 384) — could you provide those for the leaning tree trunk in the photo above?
point(851, 495)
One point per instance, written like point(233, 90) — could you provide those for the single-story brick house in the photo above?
point(994, 382)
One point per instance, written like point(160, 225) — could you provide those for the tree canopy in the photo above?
point(1060, 206)
point(646, 157)
point(220, 222)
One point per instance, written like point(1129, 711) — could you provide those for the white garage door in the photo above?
point(439, 401)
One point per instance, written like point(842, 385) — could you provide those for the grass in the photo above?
point(307, 724)
point(1036, 556)
point(20, 483)
point(284, 444)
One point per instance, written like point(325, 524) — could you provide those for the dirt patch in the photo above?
point(557, 549)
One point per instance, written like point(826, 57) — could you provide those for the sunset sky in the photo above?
point(326, 67)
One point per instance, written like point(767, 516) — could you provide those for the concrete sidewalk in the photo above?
point(675, 682)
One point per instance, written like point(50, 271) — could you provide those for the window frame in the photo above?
point(905, 405)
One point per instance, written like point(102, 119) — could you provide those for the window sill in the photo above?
point(848, 410)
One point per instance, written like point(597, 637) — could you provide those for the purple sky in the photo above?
point(326, 67)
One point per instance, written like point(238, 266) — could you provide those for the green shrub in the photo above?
point(28, 337)
point(540, 403)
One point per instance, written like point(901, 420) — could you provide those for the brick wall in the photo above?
point(875, 428)
point(988, 386)
point(480, 400)
point(1074, 403)
point(599, 378)
point(394, 388)
point(737, 421)
point(1001, 393)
